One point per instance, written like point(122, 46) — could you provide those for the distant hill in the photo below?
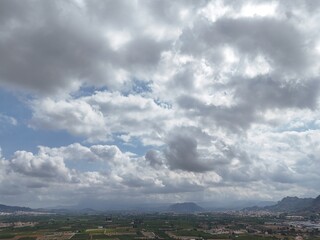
point(13, 209)
point(315, 206)
point(10, 209)
point(291, 204)
point(186, 207)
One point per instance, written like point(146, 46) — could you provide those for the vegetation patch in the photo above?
point(7, 235)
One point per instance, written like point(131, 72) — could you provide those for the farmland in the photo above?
point(119, 226)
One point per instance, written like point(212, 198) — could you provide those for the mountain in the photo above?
point(290, 205)
point(10, 209)
point(187, 207)
point(234, 205)
point(315, 206)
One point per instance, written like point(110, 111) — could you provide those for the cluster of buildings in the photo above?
point(17, 224)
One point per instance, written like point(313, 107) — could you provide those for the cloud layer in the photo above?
point(168, 98)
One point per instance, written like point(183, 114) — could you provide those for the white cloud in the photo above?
point(42, 165)
point(259, 10)
point(4, 119)
point(100, 115)
point(211, 97)
point(76, 116)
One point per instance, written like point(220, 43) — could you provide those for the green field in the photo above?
point(192, 233)
point(130, 227)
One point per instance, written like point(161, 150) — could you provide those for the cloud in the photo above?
point(154, 158)
point(99, 115)
point(39, 166)
point(177, 175)
point(252, 97)
point(54, 168)
point(51, 54)
point(264, 92)
point(70, 46)
point(77, 116)
point(279, 41)
point(182, 154)
point(168, 98)
point(4, 119)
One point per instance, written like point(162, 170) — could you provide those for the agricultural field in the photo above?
point(119, 226)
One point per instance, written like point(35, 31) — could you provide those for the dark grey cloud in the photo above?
point(251, 98)
point(11, 190)
point(132, 180)
point(12, 10)
point(154, 158)
point(141, 51)
point(182, 154)
point(264, 92)
point(282, 174)
point(115, 13)
point(283, 45)
point(50, 52)
point(234, 118)
point(58, 46)
point(183, 79)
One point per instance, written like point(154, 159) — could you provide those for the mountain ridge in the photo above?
point(10, 209)
point(291, 205)
point(185, 207)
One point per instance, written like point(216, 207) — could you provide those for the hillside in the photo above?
point(10, 209)
point(315, 206)
point(185, 207)
point(292, 204)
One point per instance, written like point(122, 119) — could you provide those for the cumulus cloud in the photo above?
point(77, 117)
point(75, 45)
point(38, 166)
point(208, 97)
point(279, 41)
point(154, 158)
point(166, 174)
point(52, 167)
point(100, 115)
point(50, 54)
point(182, 154)
point(264, 93)
point(251, 97)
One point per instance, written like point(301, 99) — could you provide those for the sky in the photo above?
point(151, 101)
